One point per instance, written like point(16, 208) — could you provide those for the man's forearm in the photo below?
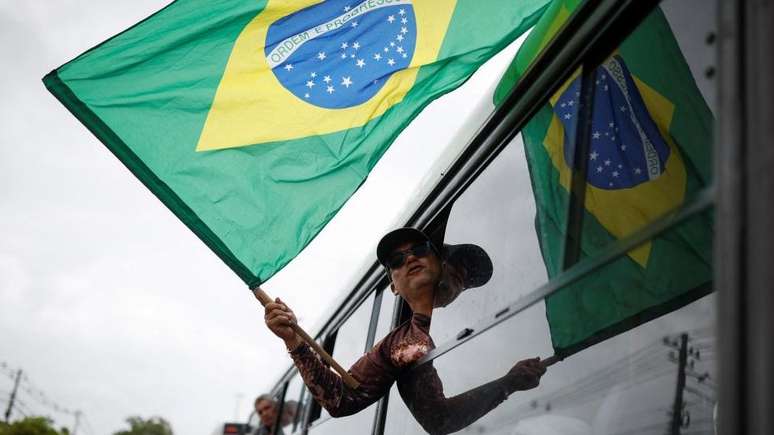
point(326, 387)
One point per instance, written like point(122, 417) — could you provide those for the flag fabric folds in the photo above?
point(254, 121)
point(650, 153)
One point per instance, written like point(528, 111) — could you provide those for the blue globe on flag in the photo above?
point(340, 53)
point(627, 148)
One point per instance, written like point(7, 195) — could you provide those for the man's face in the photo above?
point(415, 274)
point(266, 411)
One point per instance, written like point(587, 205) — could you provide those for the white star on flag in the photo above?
point(346, 81)
point(403, 21)
point(377, 56)
point(360, 63)
point(356, 45)
point(391, 18)
point(403, 30)
point(607, 162)
point(330, 89)
point(399, 38)
point(313, 75)
point(594, 155)
point(289, 66)
point(354, 24)
point(309, 84)
point(347, 8)
point(400, 49)
point(391, 62)
point(567, 116)
point(321, 55)
point(344, 45)
point(595, 135)
point(402, 12)
point(327, 79)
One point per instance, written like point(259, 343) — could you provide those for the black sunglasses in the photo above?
point(398, 258)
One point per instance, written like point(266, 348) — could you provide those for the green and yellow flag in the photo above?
point(650, 152)
point(255, 120)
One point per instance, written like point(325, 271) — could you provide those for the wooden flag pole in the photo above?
point(551, 360)
point(351, 382)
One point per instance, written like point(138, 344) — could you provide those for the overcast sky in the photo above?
point(107, 302)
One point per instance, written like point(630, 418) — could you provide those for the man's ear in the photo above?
point(392, 287)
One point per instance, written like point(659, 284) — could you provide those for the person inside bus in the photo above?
point(266, 410)
point(426, 277)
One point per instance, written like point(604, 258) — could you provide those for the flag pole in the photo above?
point(551, 360)
point(351, 382)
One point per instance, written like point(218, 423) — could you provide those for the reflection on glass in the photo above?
point(626, 384)
point(650, 138)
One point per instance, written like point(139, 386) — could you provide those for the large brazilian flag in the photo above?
point(650, 153)
point(255, 120)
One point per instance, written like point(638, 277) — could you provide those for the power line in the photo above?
point(23, 384)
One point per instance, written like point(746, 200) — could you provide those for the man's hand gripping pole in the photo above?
point(351, 382)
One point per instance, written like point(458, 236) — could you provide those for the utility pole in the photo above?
point(77, 422)
point(13, 396)
point(677, 407)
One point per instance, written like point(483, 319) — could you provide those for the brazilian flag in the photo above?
point(650, 153)
point(255, 120)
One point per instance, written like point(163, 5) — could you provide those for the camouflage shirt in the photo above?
point(420, 387)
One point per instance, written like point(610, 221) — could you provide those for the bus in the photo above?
point(698, 362)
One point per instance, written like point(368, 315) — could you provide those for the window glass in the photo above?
point(385, 314)
point(349, 347)
point(627, 383)
point(292, 409)
point(498, 213)
point(351, 338)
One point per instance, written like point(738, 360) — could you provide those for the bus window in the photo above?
point(349, 347)
point(385, 314)
point(352, 334)
point(292, 409)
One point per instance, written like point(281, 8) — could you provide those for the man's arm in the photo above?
point(326, 386)
point(422, 391)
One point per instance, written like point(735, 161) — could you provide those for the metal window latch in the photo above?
point(464, 333)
